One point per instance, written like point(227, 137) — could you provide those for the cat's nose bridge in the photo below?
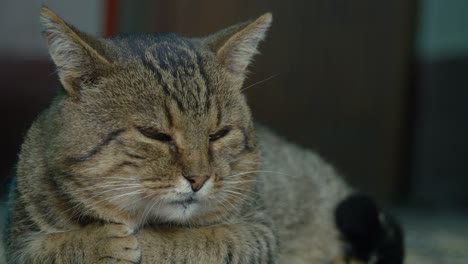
point(196, 172)
point(195, 167)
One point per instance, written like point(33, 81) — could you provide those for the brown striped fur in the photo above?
point(105, 174)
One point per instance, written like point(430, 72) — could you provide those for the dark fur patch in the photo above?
point(229, 255)
point(370, 233)
point(219, 116)
point(134, 156)
point(170, 119)
point(165, 87)
point(151, 67)
point(126, 164)
point(207, 83)
point(247, 146)
point(108, 139)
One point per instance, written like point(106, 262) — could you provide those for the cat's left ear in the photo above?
point(235, 46)
point(78, 56)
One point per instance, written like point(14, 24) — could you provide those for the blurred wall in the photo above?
point(440, 105)
point(21, 31)
point(442, 29)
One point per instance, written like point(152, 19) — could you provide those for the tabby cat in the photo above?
point(150, 155)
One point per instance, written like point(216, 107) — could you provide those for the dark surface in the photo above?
point(440, 134)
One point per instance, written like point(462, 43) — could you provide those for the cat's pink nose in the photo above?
point(196, 181)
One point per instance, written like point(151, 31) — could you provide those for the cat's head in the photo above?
point(154, 125)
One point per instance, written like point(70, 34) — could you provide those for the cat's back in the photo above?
point(297, 185)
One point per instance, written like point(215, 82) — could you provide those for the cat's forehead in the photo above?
point(182, 69)
point(167, 50)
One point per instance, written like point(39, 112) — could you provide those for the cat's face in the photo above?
point(155, 127)
point(177, 141)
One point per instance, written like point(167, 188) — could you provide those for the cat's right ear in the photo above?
point(236, 45)
point(75, 53)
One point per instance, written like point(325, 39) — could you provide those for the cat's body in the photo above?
point(150, 155)
point(304, 218)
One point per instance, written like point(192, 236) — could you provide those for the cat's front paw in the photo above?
point(115, 243)
point(372, 236)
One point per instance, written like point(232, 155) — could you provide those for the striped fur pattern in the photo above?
point(150, 155)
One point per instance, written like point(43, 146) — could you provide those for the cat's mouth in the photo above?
point(185, 202)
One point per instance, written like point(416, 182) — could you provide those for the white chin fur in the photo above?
point(177, 213)
point(174, 211)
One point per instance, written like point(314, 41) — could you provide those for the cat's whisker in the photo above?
point(250, 162)
point(238, 182)
point(259, 82)
point(242, 189)
point(148, 209)
point(102, 178)
point(256, 171)
point(242, 199)
point(78, 192)
point(225, 200)
point(221, 201)
point(95, 187)
point(106, 182)
point(113, 198)
point(238, 174)
point(142, 218)
point(93, 205)
point(72, 209)
point(111, 184)
point(106, 190)
point(144, 197)
point(274, 172)
point(111, 190)
point(159, 207)
point(236, 193)
point(54, 72)
point(125, 194)
point(239, 194)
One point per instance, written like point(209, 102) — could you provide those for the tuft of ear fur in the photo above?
point(235, 46)
point(74, 53)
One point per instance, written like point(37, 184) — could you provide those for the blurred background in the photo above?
point(379, 88)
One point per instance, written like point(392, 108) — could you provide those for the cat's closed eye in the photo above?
point(220, 134)
point(155, 134)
